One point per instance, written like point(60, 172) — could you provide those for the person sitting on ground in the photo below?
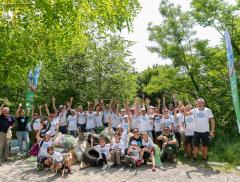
point(58, 160)
point(103, 149)
point(117, 150)
point(42, 158)
point(133, 155)
point(148, 149)
point(136, 136)
point(169, 146)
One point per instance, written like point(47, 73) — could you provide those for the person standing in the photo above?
point(6, 122)
point(22, 129)
point(202, 131)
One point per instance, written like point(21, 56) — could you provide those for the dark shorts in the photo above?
point(82, 127)
point(63, 129)
point(105, 124)
point(42, 160)
point(188, 139)
point(198, 137)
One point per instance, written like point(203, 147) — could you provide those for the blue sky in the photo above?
point(139, 35)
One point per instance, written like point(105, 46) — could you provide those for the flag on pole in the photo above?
point(233, 79)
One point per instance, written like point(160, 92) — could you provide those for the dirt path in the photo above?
point(22, 170)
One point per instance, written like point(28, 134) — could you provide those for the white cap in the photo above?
point(48, 133)
point(201, 100)
point(122, 110)
point(143, 109)
point(125, 116)
point(151, 107)
point(132, 109)
point(119, 126)
point(61, 106)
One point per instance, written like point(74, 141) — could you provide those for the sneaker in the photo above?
point(105, 166)
point(194, 161)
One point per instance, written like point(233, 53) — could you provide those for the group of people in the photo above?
point(137, 130)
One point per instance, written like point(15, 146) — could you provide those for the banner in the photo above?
point(32, 87)
point(233, 79)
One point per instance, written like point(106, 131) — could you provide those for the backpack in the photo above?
point(35, 149)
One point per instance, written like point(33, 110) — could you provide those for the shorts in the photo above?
point(188, 139)
point(197, 137)
point(42, 159)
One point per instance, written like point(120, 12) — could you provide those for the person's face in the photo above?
point(5, 112)
point(22, 113)
point(60, 109)
point(182, 109)
point(114, 109)
point(171, 107)
point(200, 105)
point(90, 109)
point(144, 136)
point(122, 113)
point(166, 132)
point(165, 112)
point(157, 111)
point(135, 134)
point(47, 137)
point(35, 115)
point(98, 108)
point(102, 143)
point(143, 112)
point(188, 108)
point(117, 138)
point(50, 152)
point(151, 111)
point(73, 113)
point(51, 116)
point(120, 130)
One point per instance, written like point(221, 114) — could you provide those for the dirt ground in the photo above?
point(22, 170)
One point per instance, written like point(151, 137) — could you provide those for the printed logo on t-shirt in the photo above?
point(157, 120)
point(189, 120)
point(90, 117)
point(200, 115)
point(22, 120)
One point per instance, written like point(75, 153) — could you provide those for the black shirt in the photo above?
point(22, 123)
point(139, 141)
point(5, 122)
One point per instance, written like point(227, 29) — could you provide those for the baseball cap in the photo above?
point(119, 126)
point(151, 107)
point(61, 106)
point(122, 110)
point(201, 100)
point(143, 109)
point(125, 116)
point(134, 142)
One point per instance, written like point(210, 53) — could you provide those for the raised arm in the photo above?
point(32, 112)
point(40, 109)
point(71, 101)
point(28, 112)
point(159, 103)
point(18, 110)
point(47, 110)
point(54, 104)
point(38, 133)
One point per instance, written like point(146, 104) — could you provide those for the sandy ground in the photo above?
point(22, 170)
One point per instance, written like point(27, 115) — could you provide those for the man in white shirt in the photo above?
point(202, 131)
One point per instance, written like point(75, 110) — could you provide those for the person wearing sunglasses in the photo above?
point(91, 121)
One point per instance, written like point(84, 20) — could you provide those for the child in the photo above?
point(117, 150)
point(147, 150)
point(58, 160)
point(133, 155)
point(103, 149)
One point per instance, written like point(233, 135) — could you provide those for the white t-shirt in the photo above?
point(148, 144)
point(189, 125)
point(116, 120)
point(144, 123)
point(118, 145)
point(106, 115)
point(202, 119)
point(104, 149)
point(90, 121)
point(124, 138)
point(179, 121)
point(43, 149)
point(81, 118)
point(125, 126)
point(56, 157)
point(168, 121)
point(72, 122)
point(134, 122)
point(36, 124)
point(62, 118)
point(53, 128)
point(158, 124)
point(98, 118)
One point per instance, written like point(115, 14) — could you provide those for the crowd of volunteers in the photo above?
point(138, 131)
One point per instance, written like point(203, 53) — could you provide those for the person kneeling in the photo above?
point(169, 147)
point(117, 150)
point(58, 161)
